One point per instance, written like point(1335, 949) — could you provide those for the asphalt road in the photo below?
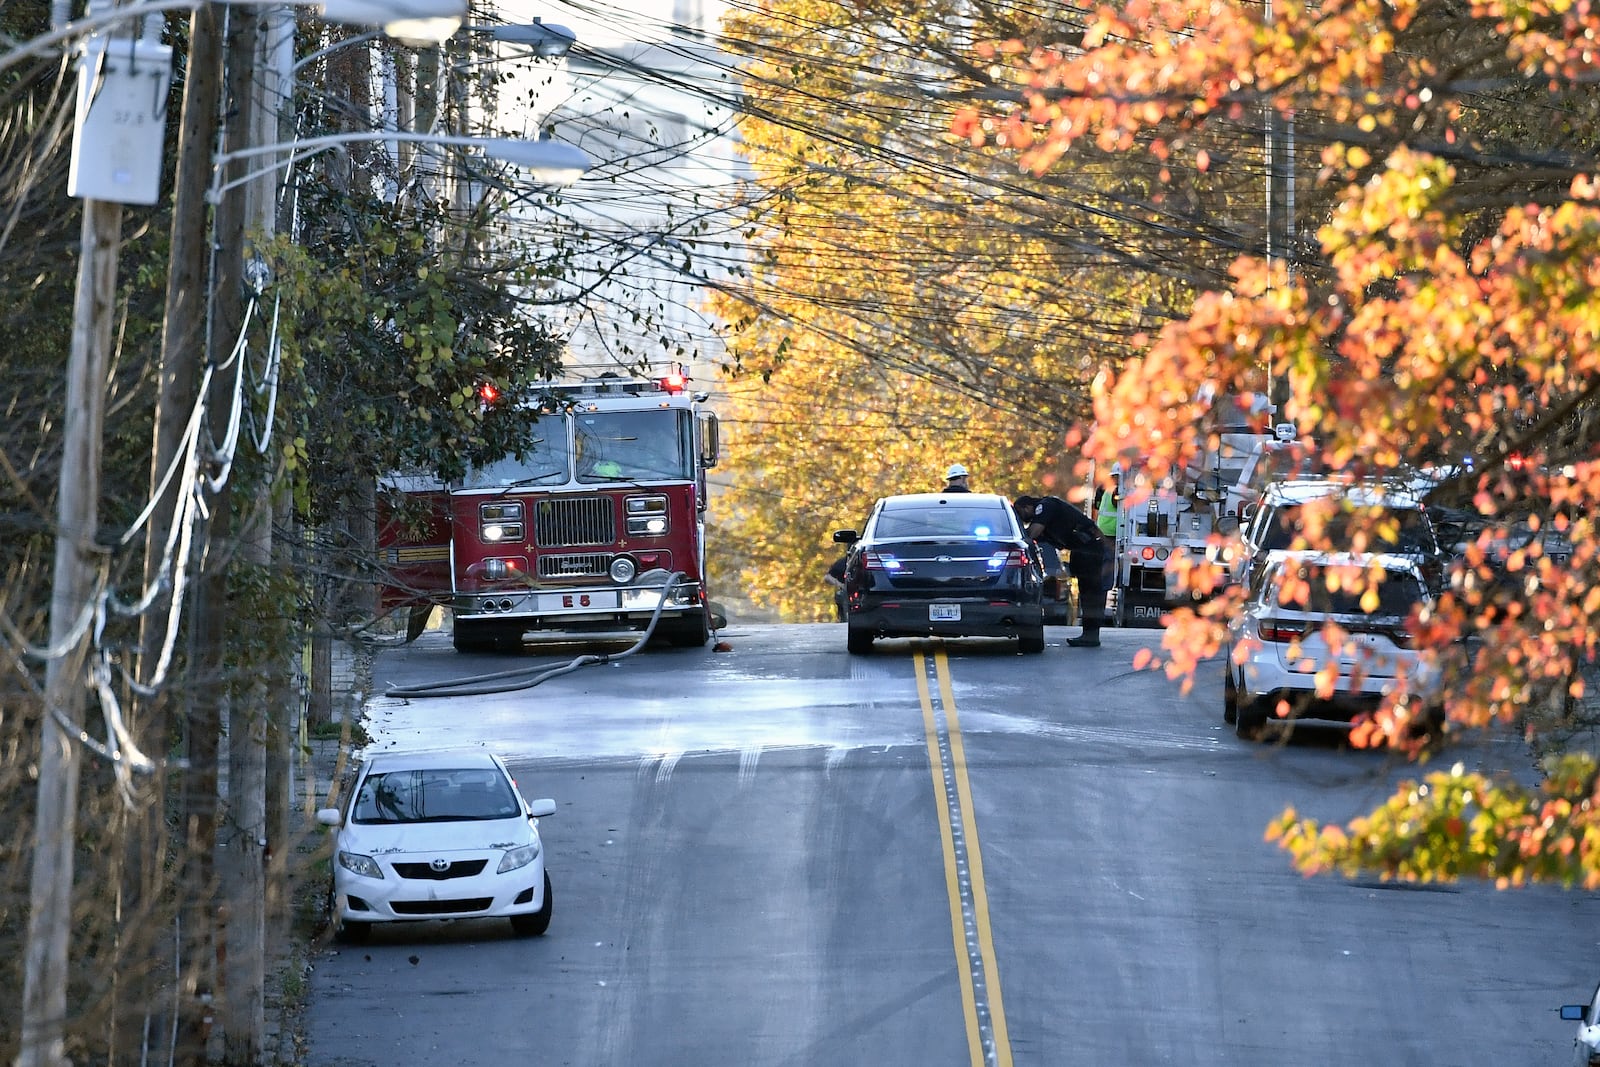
point(941, 854)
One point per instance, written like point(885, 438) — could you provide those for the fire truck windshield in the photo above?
point(548, 462)
point(634, 446)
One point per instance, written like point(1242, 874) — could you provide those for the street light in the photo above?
point(545, 40)
point(414, 22)
point(550, 162)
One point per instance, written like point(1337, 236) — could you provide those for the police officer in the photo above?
point(955, 479)
point(835, 578)
point(1055, 522)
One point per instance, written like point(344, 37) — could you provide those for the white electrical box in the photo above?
point(121, 120)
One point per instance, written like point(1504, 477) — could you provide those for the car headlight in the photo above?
point(518, 857)
point(365, 866)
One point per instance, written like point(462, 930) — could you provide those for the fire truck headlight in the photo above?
point(647, 515)
point(623, 570)
point(502, 532)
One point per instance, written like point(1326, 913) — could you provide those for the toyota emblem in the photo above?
point(439, 865)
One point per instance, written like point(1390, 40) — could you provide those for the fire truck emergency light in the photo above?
point(488, 393)
point(674, 383)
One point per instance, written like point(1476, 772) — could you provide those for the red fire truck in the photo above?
point(585, 533)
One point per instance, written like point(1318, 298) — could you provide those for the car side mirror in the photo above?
point(845, 537)
point(329, 817)
point(1574, 1013)
point(538, 809)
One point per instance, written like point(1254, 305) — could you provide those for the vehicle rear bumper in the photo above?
point(911, 619)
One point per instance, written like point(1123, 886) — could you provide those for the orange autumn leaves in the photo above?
point(1448, 307)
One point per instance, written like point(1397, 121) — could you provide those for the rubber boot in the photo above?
point(1090, 638)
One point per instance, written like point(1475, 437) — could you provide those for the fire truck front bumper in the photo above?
point(613, 604)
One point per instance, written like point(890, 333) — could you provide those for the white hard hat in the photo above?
point(956, 471)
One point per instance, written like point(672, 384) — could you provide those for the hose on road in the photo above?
point(528, 677)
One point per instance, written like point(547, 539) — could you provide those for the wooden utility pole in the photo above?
point(74, 587)
point(242, 834)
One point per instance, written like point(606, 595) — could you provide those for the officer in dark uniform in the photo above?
point(1053, 521)
point(835, 578)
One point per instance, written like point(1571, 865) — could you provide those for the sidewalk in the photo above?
point(321, 771)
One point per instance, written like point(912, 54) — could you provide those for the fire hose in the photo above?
point(528, 677)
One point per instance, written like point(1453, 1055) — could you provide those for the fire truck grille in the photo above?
point(585, 564)
point(587, 520)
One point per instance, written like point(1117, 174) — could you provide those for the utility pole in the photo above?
point(242, 831)
point(73, 590)
point(1279, 152)
point(78, 578)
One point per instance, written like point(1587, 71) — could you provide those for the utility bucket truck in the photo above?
point(591, 531)
point(1186, 522)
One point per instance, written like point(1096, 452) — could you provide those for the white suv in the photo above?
point(1279, 643)
point(1279, 519)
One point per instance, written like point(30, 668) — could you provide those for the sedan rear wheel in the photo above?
point(1031, 640)
point(859, 641)
point(537, 922)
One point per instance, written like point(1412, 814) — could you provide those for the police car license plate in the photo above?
point(944, 612)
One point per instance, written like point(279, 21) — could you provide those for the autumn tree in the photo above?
point(1443, 316)
point(907, 303)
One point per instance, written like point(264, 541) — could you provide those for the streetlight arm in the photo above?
point(439, 13)
point(545, 40)
point(554, 162)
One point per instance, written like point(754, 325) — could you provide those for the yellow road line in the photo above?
point(988, 1042)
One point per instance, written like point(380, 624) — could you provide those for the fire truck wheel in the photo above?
point(477, 636)
point(691, 631)
point(1031, 640)
point(858, 641)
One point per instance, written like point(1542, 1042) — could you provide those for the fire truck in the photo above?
point(598, 528)
point(1165, 529)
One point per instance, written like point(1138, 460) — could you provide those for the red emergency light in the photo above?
point(674, 383)
point(488, 393)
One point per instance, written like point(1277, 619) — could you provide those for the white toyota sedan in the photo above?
point(440, 835)
point(1278, 646)
point(1586, 1043)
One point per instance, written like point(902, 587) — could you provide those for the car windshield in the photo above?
point(435, 795)
point(943, 520)
point(1327, 590)
point(1413, 533)
point(547, 462)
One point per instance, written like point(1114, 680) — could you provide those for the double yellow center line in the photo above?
point(988, 1043)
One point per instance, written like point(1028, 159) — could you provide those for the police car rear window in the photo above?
point(944, 520)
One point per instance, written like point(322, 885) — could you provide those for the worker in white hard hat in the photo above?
point(955, 479)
